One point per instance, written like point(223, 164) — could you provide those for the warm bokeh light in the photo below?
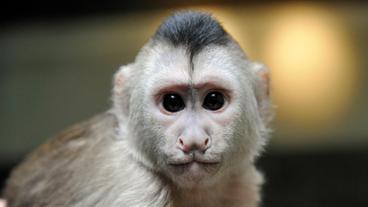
point(312, 67)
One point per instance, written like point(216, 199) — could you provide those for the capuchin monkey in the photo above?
point(189, 117)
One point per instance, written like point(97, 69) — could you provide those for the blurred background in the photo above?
point(57, 60)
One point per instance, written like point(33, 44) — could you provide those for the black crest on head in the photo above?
point(195, 30)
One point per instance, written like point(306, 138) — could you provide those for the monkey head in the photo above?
point(192, 107)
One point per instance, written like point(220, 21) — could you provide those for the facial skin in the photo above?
point(194, 145)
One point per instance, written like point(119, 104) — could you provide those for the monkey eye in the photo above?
point(213, 101)
point(173, 102)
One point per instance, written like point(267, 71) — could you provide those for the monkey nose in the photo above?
point(187, 145)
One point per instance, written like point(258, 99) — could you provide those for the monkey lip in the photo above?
point(193, 161)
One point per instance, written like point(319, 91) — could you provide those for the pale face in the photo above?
point(197, 119)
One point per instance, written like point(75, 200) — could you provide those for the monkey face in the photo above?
point(196, 118)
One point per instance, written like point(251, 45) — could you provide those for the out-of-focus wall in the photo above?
point(53, 74)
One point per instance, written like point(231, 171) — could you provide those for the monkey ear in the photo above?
point(263, 80)
point(121, 90)
point(262, 90)
point(120, 78)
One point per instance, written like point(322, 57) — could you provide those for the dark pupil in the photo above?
point(173, 102)
point(213, 101)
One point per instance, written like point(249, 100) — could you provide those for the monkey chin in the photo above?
point(194, 174)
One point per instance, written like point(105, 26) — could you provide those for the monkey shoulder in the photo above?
point(85, 165)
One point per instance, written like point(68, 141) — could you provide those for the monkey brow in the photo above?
point(174, 87)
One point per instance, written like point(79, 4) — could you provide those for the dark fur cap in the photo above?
point(195, 30)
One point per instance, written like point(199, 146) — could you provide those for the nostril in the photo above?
point(183, 146)
point(181, 142)
point(206, 142)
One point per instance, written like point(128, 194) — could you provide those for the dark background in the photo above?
point(57, 59)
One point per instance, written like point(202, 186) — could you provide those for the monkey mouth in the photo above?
point(199, 162)
point(193, 158)
point(194, 164)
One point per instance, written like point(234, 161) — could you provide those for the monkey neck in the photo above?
point(236, 189)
